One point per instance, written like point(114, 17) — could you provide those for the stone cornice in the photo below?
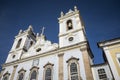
point(64, 34)
point(34, 67)
point(108, 42)
point(48, 64)
point(60, 54)
point(23, 34)
point(72, 58)
point(68, 15)
point(21, 70)
point(56, 51)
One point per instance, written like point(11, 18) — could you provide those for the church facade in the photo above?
point(32, 57)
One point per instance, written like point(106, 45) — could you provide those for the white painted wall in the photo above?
point(9, 69)
point(75, 53)
point(77, 25)
point(42, 62)
point(78, 37)
point(107, 70)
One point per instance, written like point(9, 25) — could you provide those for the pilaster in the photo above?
point(86, 60)
point(61, 75)
point(13, 73)
point(1, 73)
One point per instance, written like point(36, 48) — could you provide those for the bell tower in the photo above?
point(23, 41)
point(71, 28)
point(72, 34)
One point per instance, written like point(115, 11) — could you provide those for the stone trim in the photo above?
point(7, 74)
point(60, 67)
point(68, 15)
point(75, 60)
point(72, 58)
point(48, 65)
point(21, 71)
point(34, 68)
point(14, 71)
point(71, 31)
point(1, 73)
point(87, 65)
point(60, 54)
point(56, 51)
point(108, 42)
point(86, 47)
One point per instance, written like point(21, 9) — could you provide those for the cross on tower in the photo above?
point(42, 30)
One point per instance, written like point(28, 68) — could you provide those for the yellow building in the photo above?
point(111, 49)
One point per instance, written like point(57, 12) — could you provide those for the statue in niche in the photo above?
point(69, 25)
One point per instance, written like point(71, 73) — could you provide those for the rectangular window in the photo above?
point(102, 74)
point(35, 62)
point(119, 60)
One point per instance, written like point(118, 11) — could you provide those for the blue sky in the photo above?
point(101, 19)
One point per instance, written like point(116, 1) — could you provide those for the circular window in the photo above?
point(39, 49)
point(70, 39)
point(13, 56)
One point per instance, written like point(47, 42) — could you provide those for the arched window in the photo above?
point(48, 74)
point(34, 73)
point(102, 74)
point(21, 74)
point(31, 43)
point(18, 44)
point(73, 69)
point(69, 25)
point(48, 71)
point(6, 76)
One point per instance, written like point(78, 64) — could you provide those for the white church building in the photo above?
point(32, 57)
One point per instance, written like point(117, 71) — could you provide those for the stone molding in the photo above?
point(48, 64)
point(60, 67)
point(72, 58)
point(75, 60)
point(7, 73)
point(87, 65)
point(21, 70)
point(68, 15)
point(14, 71)
point(64, 34)
point(34, 68)
point(56, 51)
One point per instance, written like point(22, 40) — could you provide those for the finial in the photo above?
point(43, 29)
point(20, 31)
point(30, 27)
point(62, 14)
point(37, 35)
point(70, 10)
point(75, 8)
